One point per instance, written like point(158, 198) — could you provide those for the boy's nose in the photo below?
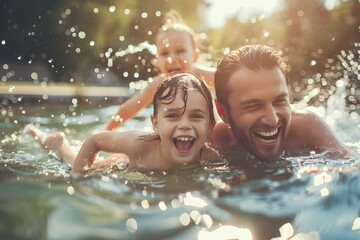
point(184, 123)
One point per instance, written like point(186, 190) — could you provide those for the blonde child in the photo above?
point(181, 130)
point(177, 51)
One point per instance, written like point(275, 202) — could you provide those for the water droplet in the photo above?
point(112, 8)
point(82, 35)
point(185, 219)
point(286, 230)
point(131, 225)
point(70, 190)
point(144, 15)
point(11, 88)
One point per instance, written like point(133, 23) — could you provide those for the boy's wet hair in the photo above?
point(181, 83)
point(174, 21)
point(253, 57)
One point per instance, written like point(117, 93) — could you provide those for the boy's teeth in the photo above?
point(185, 139)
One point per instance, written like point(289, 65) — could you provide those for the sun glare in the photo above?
point(219, 11)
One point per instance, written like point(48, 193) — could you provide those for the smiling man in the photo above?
point(253, 102)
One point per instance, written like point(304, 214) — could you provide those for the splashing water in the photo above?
point(306, 196)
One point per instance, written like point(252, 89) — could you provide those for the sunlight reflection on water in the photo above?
point(303, 196)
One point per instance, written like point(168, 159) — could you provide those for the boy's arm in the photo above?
point(134, 104)
point(207, 73)
point(111, 142)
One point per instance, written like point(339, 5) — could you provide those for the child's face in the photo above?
point(183, 134)
point(176, 51)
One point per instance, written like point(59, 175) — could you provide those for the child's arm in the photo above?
point(207, 73)
point(134, 104)
point(111, 142)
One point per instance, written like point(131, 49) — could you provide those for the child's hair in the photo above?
point(181, 83)
point(173, 20)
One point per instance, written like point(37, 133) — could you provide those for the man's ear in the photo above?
point(154, 122)
point(222, 111)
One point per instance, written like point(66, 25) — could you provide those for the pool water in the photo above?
point(303, 196)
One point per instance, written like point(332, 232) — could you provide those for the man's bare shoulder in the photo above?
point(303, 118)
point(221, 137)
point(305, 128)
point(301, 126)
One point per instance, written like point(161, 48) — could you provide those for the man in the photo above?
point(253, 102)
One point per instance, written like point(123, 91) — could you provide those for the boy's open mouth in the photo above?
point(183, 143)
point(268, 136)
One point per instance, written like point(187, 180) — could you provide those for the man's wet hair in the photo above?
point(253, 57)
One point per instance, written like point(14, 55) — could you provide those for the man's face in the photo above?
point(258, 111)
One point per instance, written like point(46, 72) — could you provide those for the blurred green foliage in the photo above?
point(90, 42)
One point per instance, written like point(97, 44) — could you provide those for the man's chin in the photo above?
point(267, 157)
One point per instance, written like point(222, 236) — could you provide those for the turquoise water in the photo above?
point(304, 195)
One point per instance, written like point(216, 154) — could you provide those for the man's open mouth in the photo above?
point(183, 143)
point(267, 136)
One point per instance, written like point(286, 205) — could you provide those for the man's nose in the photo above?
point(270, 116)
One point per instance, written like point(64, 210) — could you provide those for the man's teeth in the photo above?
point(268, 134)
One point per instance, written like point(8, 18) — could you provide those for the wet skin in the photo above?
point(176, 51)
point(183, 134)
point(259, 111)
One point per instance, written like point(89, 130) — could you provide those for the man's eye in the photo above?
point(252, 107)
point(281, 101)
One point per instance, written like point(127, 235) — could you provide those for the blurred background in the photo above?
point(110, 43)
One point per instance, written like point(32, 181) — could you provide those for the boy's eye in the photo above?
point(198, 115)
point(171, 115)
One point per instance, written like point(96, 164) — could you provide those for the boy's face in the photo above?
point(176, 51)
point(259, 111)
point(183, 134)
